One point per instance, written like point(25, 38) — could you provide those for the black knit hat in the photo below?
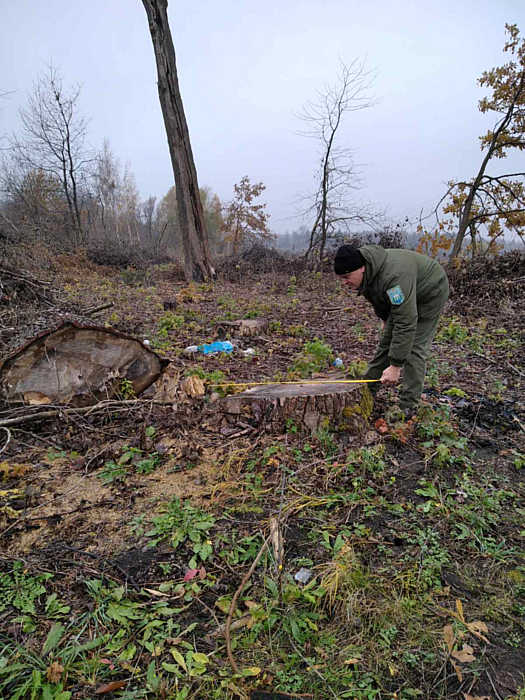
point(347, 259)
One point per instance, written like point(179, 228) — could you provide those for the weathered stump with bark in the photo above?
point(246, 327)
point(308, 406)
point(77, 365)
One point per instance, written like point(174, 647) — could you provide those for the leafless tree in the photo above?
point(337, 176)
point(52, 143)
point(147, 215)
point(197, 262)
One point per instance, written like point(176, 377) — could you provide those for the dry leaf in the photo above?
point(193, 386)
point(476, 697)
point(381, 426)
point(277, 542)
point(448, 634)
point(36, 398)
point(464, 655)
point(459, 608)
point(54, 672)
point(457, 669)
point(479, 629)
point(450, 638)
point(110, 687)
point(157, 593)
point(244, 621)
point(190, 574)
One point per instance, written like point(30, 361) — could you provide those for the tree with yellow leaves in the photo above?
point(246, 221)
point(493, 203)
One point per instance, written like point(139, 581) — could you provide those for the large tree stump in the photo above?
point(77, 365)
point(308, 405)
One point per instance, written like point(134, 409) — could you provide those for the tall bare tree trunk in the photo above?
point(197, 261)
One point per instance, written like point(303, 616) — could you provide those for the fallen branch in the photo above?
point(96, 309)
point(235, 625)
point(104, 560)
point(29, 279)
point(497, 362)
point(8, 438)
point(335, 308)
point(87, 410)
point(234, 601)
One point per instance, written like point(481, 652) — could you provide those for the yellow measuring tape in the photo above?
point(318, 381)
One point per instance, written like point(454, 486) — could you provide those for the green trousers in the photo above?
point(415, 364)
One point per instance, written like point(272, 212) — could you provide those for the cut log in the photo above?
point(309, 406)
point(77, 365)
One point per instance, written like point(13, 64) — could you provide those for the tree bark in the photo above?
point(197, 261)
point(309, 406)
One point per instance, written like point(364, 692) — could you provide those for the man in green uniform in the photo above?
point(408, 292)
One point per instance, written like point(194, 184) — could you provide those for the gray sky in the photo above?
point(246, 68)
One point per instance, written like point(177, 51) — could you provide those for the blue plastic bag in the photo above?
point(217, 346)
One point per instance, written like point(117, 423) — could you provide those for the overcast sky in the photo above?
point(246, 68)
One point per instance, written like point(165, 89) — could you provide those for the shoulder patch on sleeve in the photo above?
point(396, 296)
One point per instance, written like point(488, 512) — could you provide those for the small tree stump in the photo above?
point(170, 304)
point(309, 406)
point(246, 327)
point(253, 326)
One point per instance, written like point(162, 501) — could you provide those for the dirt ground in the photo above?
point(411, 535)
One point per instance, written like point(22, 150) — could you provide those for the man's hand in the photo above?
point(391, 375)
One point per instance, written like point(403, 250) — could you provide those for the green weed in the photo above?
point(21, 590)
point(366, 460)
point(315, 356)
point(440, 439)
point(239, 551)
point(131, 459)
point(356, 368)
point(453, 331)
point(454, 391)
point(169, 322)
point(183, 523)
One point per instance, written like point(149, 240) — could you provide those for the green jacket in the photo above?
point(404, 286)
